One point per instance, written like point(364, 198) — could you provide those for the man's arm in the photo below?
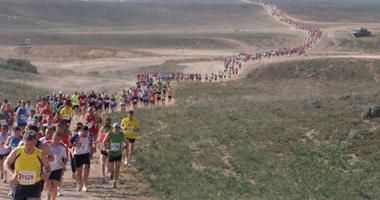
point(106, 141)
point(45, 162)
point(7, 143)
point(122, 124)
point(9, 161)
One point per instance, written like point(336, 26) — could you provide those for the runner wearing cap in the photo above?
point(31, 168)
point(114, 143)
point(131, 126)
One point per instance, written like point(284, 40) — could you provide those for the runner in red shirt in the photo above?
point(92, 122)
point(82, 98)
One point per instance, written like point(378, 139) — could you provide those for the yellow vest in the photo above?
point(28, 167)
point(130, 125)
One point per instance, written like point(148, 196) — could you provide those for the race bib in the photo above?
point(115, 146)
point(66, 117)
point(3, 122)
point(27, 177)
point(130, 128)
point(84, 147)
point(89, 125)
point(56, 159)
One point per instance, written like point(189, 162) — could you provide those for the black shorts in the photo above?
point(3, 156)
point(82, 159)
point(22, 192)
point(114, 158)
point(106, 105)
point(75, 107)
point(99, 107)
point(104, 152)
point(56, 175)
point(131, 140)
point(66, 121)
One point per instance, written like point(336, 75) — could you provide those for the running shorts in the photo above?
point(82, 159)
point(114, 158)
point(56, 175)
point(21, 192)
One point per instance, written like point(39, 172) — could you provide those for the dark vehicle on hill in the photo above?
point(363, 32)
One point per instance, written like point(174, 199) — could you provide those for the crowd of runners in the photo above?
point(36, 143)
point(38, 138)
point(233, 64)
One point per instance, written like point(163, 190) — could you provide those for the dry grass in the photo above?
point(294, 138)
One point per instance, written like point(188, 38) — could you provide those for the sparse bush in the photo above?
point(19, 65)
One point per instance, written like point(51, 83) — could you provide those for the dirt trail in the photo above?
point(130, 186)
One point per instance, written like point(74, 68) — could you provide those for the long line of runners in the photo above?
point(36, 142)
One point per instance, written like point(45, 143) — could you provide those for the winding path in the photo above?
point(131, 186)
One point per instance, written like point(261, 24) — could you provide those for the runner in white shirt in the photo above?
point(83, 145)
point(57, 166)
point(48, 134)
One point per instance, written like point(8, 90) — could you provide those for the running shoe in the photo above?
point(84, 189)
point(79, 187)
point(60, 192)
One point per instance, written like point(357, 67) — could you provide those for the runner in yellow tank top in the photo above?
point(131, 127)
point(31, 168)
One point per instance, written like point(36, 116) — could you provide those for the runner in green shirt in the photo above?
point(114, 142)
point(75, 102)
